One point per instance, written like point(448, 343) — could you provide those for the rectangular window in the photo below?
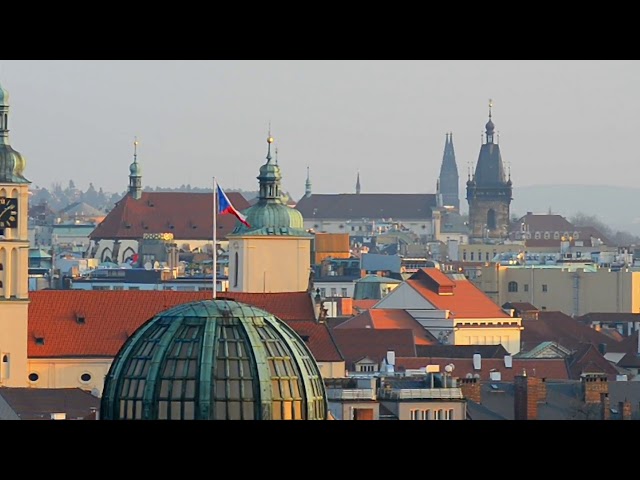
point(323, 292)
point(472, 256)
point(526, 287)
point(344, 292)
point(334, 292)
point(544, 287)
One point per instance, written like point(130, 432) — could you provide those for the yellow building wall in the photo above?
point(508, 337)
point(403, 409)
point(269, 264)
point(481, 250)
point(332, 369)
point(67, 373)
point(571, 292)
point(13, 343)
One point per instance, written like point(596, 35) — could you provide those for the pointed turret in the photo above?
point(358, 183)
point(448, 181)
point(135, 174)
point(307, 185)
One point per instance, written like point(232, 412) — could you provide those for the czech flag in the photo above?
point(225, 206)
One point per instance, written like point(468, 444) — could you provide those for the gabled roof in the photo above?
point(80, 208)
point(355, 344)
point(374, 206)
point(587, 359)
point(558, 327)
point(520, 307)
point(550, 368)
point(189, 213)
point(40, 403)
point(630, 360)
point(466, 301)
point(95, 323)
point(388, 319)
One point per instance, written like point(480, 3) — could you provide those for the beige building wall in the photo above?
point(434, 410)
point(87, 374)
point(269, 264)
point(481, 252)
point(474, 333)
point(332, 369)
point(559, 289)
point(14, 292)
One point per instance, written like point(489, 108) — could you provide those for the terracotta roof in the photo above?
point(386, 319)
point(190, 214)
point(551, 368)
point(554, 326)
point(374, 206)
point(109, 317)
point(362, 305)
point(40, 403)
point(355, 344)
point(467, 301)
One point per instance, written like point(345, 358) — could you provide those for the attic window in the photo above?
point(150, 203)
point(305, 338)
point(39, 340)
point(80, 319)
point(194, 226)
point(172, 227)
point(128, 225)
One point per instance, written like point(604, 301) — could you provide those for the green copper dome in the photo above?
point(135, 169)
point(214, 360)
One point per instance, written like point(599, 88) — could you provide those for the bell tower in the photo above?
point(489, 192)
point(14, 257)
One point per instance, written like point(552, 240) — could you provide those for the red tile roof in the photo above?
point(467, 301)
point(549, 368)
point(356, 344)
point(587, 359)
point(563, 329)
point(388, 319)
point(110, 317)
point(155, 212)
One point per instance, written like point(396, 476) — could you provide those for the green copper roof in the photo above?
point(214, 360)
point(272, 218)
point(4, 97)
point(12, 165)
point(377, 279)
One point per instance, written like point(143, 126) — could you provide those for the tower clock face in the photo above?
point(8, 212)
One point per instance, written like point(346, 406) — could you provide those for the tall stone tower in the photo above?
point(14, 257)
point(135, 174)
point(489, 192)
point(273, 254)
point(448, 181)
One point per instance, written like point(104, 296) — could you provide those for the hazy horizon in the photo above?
point(559, 122)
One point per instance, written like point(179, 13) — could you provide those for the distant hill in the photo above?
point(616, 207)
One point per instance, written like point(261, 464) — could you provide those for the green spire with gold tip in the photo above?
point(12, 163)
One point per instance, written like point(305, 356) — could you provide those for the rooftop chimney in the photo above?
point(471, 389)
point(527, 394)
point(593, 385)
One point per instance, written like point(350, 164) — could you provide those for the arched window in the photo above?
point(547, 235)
point(556, 235)
point(491, 219)
point(513, 286)
point(237, 267)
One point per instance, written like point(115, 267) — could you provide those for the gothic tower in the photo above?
point(135, 175)
point(307, 185)
point(489, 192)
point(448, 182)
point(14, 257)
point(358, 184)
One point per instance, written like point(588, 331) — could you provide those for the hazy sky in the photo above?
point(559, 121)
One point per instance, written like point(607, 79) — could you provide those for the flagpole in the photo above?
point(215, 248)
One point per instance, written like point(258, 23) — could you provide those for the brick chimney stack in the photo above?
point(528, 392)
point(605, 411)
point(471, 389)
point(625, 409)
point(593, 385)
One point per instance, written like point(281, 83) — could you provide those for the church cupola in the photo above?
point(135, 174)
point(12, 163)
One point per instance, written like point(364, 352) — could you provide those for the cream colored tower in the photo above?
point(14, 258)
point(273, 254)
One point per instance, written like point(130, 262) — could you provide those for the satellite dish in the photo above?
point(448, 368)
point(468, 375)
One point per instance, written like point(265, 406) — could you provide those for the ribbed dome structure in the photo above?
point(214, 360)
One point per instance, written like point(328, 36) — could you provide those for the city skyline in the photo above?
point(558, 122)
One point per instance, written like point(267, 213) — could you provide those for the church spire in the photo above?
point(135, 174)
point(12, 163)
point(307, 185)
point(269, 177)
point(358, 183)
point(447, 186)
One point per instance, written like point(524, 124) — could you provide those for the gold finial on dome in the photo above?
point(270, 139)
